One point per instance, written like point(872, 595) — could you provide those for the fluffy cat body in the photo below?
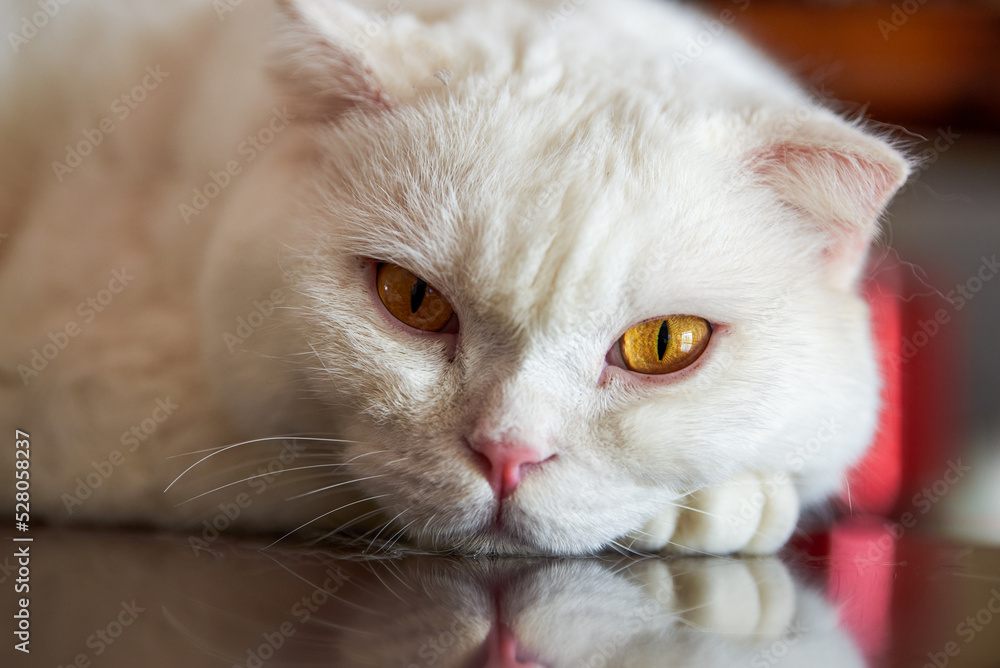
point(559, 181)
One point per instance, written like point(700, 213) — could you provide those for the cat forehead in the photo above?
point(522, 203)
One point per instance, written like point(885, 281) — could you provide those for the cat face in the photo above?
point(541, 296)
point(550, 225)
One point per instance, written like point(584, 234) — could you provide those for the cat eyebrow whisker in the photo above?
point(319, 517)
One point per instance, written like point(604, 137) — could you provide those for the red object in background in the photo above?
point(916, 333)
point(873, 485)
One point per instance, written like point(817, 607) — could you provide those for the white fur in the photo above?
point(557, 183)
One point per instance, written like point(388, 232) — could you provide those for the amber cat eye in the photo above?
point(665, 346)
point(410, 299)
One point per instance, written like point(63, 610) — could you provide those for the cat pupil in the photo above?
point(417, 293)
point(663, 337)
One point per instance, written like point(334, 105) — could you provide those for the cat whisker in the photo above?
point(385, 526)
point(319, 517)
point(236, 445)
point(626, 567)
point(336, 532)
point(388, 588)
point(394, 461)
point(695, 510)
point(287, 437)
point(685, 548)
point(328, 487)
point(426, 527)
point(329, 624)
point(262, 475)
point(321, 360)
point(317, 587)
point(396, 537)
point(850, 504)
point(193, 637)
point(397, 573)
point(228, 447)
point(626, 550)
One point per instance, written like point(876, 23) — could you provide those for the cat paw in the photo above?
point(751, 514)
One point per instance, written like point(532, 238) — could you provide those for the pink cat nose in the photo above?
point(506, 462)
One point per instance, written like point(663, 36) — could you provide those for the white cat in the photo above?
point(548, 279)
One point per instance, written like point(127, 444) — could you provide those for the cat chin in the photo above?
point(513, 539)
point(516, 528)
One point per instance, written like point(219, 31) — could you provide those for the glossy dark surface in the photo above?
point(855, 597)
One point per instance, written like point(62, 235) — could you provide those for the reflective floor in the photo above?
point(860, 595)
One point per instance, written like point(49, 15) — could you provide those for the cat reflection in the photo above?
point(432, 611)
point(241, 604)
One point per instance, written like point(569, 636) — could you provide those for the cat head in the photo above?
point(552, 187)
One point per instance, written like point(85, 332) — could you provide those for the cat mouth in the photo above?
point(506, 530)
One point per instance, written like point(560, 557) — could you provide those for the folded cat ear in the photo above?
point(841, 180)
point(315, 64)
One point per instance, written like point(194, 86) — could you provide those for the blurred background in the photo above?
point(930, 71)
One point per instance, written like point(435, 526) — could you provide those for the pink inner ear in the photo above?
point(812, 175)
point(323, 77)
point(841, 190)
